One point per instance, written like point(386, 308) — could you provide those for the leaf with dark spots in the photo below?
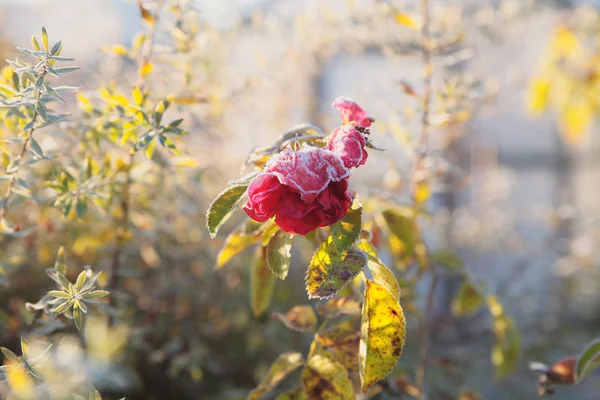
point(326, 379)
point(343, 345)
point(327, 276)
point(383, 330)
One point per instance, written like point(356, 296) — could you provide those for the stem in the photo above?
point(11, 183)
point(416, 178)
point(423, 138)
point(123, 222)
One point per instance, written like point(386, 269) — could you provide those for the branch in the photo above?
point(416, 178)
point(11, 183)
point(123, 223)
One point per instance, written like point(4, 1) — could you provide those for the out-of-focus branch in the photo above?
point(11, 183)
point(416, 178)
point(123, 222)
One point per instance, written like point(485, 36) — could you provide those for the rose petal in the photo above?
point(349, 144)
point(308, 171)
point(352, 112)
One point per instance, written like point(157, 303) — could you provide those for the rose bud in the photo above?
point(352, 112)
point(304, 190)
point(349, 144)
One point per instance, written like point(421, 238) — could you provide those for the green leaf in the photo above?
point(9, 355)
point(467, 301)
point(96, 294)
point(36, 148)
point(285, 364)
point(343, 344)
point(62, 307)
point(325, 378)
point(347, 231)
point(45, 39)
point(448, 259)
point(166, 142)
point(222, 207)
point(588, 360)
point(402, 223)
point(55, 48)
point(326, 276)
point(383, 330)
point(60, 294)
point(262, 282)
point(53, 93)
point(80, 207)
point(382, 275)
point(279, 252)
point(60, 264)
point(63, 281)
point(64, 70)
point(299, 319)
point(41, 111)
point(244, 236)
point(81, 279)
point(25, 348)
point(78, 317)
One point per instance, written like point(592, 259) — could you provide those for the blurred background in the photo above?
point(513, 182)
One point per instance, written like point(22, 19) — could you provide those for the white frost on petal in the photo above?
point(308, 171)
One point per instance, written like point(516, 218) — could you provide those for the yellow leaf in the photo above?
point(539, 89)
point(239, 240)
point(405, 20)
point(383, 330)
point(45, 39)
point(185, 162)
point(342, 344)
point(146, 69)
point(20, 383)
point(383, 276)
point(189, 100)
point(84, 103)
point(261, 283)
point(326, 379)
point(146, 15)
point(575, 120)
point(506, 352)
point(422, 192)
point(120, 50)
point(137, 95)
point(564, 43)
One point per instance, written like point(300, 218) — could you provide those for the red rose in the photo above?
point(349, 145)
point(304, 189)
point(352, 112)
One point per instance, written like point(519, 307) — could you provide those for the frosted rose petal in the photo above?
point(352, 112)
point(349, 145)
point(307, 171)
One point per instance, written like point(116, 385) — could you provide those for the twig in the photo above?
point(123, 222)
point(420, 154)
point(11, 183)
